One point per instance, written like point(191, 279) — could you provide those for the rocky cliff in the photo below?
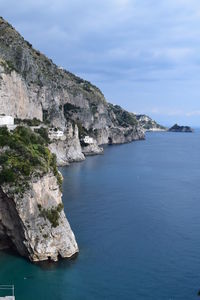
point(148, 124)
point(32, 219)
point(75, 116)
point(35, 224)
point(32, 86)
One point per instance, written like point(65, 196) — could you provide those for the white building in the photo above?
point(6, 120)
point(56, 135)
point(88, 140)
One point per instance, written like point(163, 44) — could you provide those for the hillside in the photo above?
point(148, 124)
point(32, 86)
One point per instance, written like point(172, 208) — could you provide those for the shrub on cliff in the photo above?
point(123, 117)
point(24, 154)
point(44, 133)
point(29, 122)
point(52, 214)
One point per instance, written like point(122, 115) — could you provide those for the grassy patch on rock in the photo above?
point(122, 117)
point(24, 154)
point(52, 214)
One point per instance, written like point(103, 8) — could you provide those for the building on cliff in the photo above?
point(6, 120)
point(55, 134)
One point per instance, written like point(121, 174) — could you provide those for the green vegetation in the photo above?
point(52, 214)
point(82, 131)
point(69, 109)
point(24, 154)
point(149, 125)
point(11, 66)
point(54, 168)
point(87, 86)
point(94, 107)
point(43, 133)
point(45, 116)
point(123, 117)
point(8, 66)
point(29, 122)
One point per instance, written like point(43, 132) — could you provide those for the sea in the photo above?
point(135, 212)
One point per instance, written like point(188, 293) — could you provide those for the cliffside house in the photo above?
point(55, 134)
point(6, 120)
point(88, 140)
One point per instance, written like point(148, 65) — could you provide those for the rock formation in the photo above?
point(32, 87)
point(177, 128)
point(32, 219)
point(148, 124)
point(35, 224)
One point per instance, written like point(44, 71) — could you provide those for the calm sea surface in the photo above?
point(136, 214)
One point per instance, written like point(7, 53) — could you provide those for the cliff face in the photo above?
point(35, 224)
point(32, 219)
point(68, 149)
point(31, 86)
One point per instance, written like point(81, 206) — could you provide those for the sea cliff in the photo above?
point(71, 119)
point(32, 218)
point(35, 224)
point(32, 86)
point(148, 124)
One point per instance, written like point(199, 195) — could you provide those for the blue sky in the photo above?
point(143, 54)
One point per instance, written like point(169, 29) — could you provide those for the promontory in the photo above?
point(49, 117)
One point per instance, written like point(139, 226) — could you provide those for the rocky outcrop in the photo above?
point(35, 224)
point(67, 149)
point(177, 128)
point(32, 86)
point(148, 124)
point(32, 219)
point(90, 147)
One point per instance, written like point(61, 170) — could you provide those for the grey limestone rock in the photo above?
point(35, 224)
point(32, 86)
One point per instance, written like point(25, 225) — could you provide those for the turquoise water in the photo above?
point(136, 214)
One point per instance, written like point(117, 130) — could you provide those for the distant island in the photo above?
point(177, 128)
